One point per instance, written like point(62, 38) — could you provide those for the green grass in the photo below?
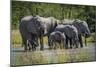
point(16, 38)
point(92, 38)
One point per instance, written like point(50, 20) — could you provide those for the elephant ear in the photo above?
point(84, 27)
point(32, 26)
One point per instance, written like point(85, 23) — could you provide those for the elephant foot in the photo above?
point(76, 47)
point(29, 49)
point(54, 48)
point(81, 46)
point(66, 47)
point(25, 49)
point(70, 47)
point(50, 48)
point(41, 49)
point(33, 49)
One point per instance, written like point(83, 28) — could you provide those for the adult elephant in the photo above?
point(71, 34)
point(49, 24)
point(30, 30)
point(82, 27)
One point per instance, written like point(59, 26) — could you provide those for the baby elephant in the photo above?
point(57, 37)
point(31, 45)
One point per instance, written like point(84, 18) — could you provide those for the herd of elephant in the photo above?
point(67, 33)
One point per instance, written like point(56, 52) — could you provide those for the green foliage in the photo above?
point(59, 11)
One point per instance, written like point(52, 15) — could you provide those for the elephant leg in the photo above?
point(71, 43)
point(80, 41)
point(66, 45)
point(37, 44)
point(23, 42)
point(50, 44)
point(33, 48)
point(62, 44)
point(41, 43)
point(28, 45)
point(75, 43)
point(48, 41)
point(25, 45)
point(55, 45)
point(33, 45)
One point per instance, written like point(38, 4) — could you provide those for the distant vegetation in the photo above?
point(59, 11)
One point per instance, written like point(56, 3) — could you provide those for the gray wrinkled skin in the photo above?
point(29, 29)
point(48, 24)
point(82, 27)
point(32, 28)
point(71, 34)
point(57, 37)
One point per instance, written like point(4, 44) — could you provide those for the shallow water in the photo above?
point(87, 53)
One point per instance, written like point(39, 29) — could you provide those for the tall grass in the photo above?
point(16, 38)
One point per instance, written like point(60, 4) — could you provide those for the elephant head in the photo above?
point(83, 28)
point(47, 24)
point(33, 26)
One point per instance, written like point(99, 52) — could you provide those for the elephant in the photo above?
point(71, 34)
point(31, 45)
point(82, 27)
point(57, 37)
point(30, 29)
point(48, 23)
